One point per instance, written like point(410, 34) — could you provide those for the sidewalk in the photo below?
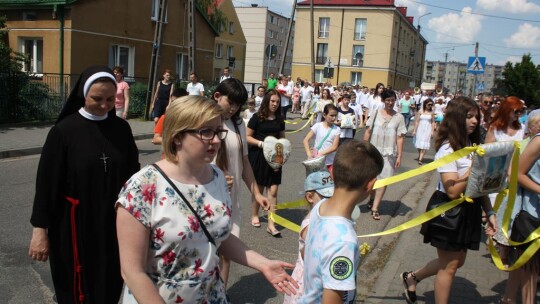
point(23, 140)
point(478, 281)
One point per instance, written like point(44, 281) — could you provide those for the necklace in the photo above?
point(104, 158)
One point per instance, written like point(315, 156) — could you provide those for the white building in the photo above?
point(453, 76)
point(264, 29)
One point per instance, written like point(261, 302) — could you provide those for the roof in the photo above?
point(348, 2)
point(16, 3)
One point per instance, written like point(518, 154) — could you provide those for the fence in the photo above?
point(26, 98)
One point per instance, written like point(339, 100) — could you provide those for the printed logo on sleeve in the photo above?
point(341, 268)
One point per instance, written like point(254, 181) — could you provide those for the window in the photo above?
point(324, 27)
point(33, 49)
point(272, 19)
point(231, 27)
point(182, 66)
point(155, 11)
point(322, 53)
point(358, 55)
point(230, 51)
point(356, 78)
point(270, 34)
point(360, 28)
point(219, 50)
point(319, 76)
point(124, 56)
point(29, 16)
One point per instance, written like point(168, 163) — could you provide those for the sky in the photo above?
point(504, 29)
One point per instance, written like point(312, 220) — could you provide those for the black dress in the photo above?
point(162, 100)
point(84, 161)
point(264, 174)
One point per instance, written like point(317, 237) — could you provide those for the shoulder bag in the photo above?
point(524, 224)
point(449, 220)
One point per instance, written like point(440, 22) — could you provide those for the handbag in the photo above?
point(524, 224)
point(315, 151)
point(448, 220)
point(203, 226)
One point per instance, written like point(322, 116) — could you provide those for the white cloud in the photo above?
point(527, 36)
point(415, 8)
point(509, 6)
point(460, 28)
point(513, 59)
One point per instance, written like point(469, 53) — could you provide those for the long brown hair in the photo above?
point(264, 111)
point(453, 128)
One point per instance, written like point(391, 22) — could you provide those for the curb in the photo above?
point(21, 152)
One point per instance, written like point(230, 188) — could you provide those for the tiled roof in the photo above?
point(349, 2)
point(33, 2)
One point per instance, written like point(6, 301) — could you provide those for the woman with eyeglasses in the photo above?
point(424, 128)
point(267, 122)
point(174, 216)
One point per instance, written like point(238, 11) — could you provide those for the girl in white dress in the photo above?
point(424, 128)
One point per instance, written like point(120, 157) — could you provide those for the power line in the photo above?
point(479, 14)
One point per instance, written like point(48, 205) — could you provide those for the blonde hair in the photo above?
point(192, 112)
point(533, 122)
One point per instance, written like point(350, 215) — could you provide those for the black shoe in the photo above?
point(410, 296)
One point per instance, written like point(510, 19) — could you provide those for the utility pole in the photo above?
point(191, 35)
point(282, 65)
point(154, 61)
point(312, 40)
point(340, 45)
point(473, 89)
point(445, 69)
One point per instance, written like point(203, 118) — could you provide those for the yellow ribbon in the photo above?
point(284, 222)
point(419, 220)
point(533, 238)
point(466, 199)
point(426, 168)
point(301, 128)
point(294, 204)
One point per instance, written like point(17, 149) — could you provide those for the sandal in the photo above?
point(375, 215)
point(420, 162)
point(370, 204)
point(410, 296)
point(255, 223)
point(275, 233)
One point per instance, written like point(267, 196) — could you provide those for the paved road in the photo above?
point(22, 281)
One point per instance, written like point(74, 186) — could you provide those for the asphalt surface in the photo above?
point(22, 281)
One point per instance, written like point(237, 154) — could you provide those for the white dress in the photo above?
point(424, 132)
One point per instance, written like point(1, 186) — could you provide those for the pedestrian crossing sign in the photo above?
point(476, 65)
point(481, 86)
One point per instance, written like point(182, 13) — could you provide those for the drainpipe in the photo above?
point(58, 10)
point(397, 52)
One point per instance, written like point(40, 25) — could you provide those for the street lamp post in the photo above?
point(418, 26)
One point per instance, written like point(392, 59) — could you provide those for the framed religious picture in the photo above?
point(489, 171)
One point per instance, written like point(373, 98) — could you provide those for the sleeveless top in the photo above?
point(164, 91)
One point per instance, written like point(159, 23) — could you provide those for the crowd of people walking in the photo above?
point(168, 232)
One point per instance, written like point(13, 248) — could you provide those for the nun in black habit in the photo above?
point(87, 157)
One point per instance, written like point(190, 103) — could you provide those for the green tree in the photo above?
point(213, 13)
point(10, 61)
point(522, 79)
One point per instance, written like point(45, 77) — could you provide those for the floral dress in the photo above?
point(181, 262)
